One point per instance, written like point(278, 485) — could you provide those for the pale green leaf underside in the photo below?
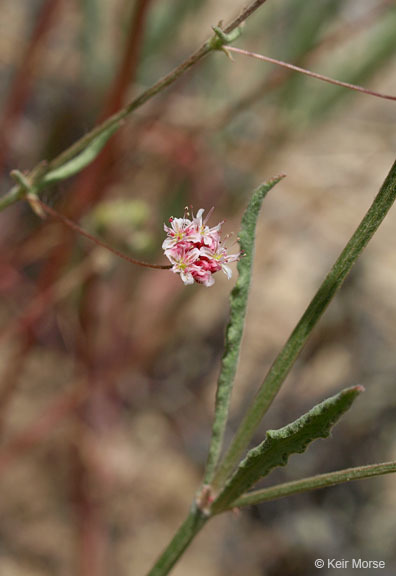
point(79, 162)
point(280, 444)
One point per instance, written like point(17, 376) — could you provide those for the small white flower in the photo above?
point(182, 261)
point(180, 230)
point(195, 250)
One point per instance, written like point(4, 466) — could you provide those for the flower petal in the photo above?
point(227, 271)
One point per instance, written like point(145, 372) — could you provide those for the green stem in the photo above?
point(196, 519)
point(288, 355)
point(117, 118)
point(187, 531)
point(313, 483)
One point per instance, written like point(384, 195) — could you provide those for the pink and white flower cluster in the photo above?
point(195, 250)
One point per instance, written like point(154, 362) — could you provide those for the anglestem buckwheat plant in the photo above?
point(196, 252)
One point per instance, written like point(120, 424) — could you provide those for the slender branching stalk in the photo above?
point(309, 73)
point(117, 119)
point(76, 228)
point(194, 522)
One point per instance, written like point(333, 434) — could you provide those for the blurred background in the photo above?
point(108, 371)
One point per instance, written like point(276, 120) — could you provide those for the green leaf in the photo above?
point(286, 358)
point(234, 331)
point(280, 444)
point(313, 483)
point(80, 161)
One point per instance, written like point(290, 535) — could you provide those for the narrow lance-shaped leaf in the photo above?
point(234, 331)
point(80, 161)
point(313, 483)
point(280, 444)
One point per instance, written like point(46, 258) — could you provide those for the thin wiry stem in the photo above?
point(181, 540)
point(116, 119)
point(244, 15)
point(73, 226)
point(280, 75)
point(310, 74)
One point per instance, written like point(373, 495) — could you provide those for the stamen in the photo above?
point(235, 242)
point(208, 215)
point(226, 237)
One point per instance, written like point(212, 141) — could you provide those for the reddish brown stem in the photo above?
point(60, 254)
point(127, 72)
point(73, 226)
point(92, 184)
point(279, 75)
point(19, 92)
point(11, 375)
point(92, 538)
point(309, 73)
